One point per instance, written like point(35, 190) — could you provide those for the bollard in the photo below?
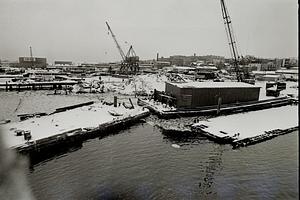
point(115, 101)
point(27, 135)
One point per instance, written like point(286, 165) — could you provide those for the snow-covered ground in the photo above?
point(253, 123)
point(83, 117)
point(140, 84)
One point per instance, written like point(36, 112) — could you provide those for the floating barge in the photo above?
point(68, 127)
point(249, 128)
point(165, 112)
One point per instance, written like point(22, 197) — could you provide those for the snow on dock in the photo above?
point(66, 123)
point(238, 127)
point(165, 111)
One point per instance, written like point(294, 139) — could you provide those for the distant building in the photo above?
point(191, 60)
point(289, 74)
point(269, 66)
point(289, 63)
point(32, 62)
point(254, 66)
point(161, 64)
point(62, 63)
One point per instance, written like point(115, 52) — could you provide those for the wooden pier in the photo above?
point(218, 110)
point(64, 131)
point(10, 86)
point(79, 135)
point(241, 130)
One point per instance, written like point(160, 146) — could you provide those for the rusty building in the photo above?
point(199, 94)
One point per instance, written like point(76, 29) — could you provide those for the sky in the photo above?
point(75, 30)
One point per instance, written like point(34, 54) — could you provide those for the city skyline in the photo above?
point(76, 30)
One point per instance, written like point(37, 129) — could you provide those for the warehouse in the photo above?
point(198, 94)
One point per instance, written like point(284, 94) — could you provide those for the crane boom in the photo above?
point(231, 39)
point(118, 46)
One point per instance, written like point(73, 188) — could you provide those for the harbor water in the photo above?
point(142, 163)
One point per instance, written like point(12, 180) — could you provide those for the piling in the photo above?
point(132, 106)
point(115, 101)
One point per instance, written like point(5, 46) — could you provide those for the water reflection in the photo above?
point(41, 157)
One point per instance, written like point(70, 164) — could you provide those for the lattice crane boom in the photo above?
point(231, 39)
point(118, 46)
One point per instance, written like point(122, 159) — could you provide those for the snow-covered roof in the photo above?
point(271, 76)
point(207, 67)
point(214, 85)
point(183, 67)
point(263, 72)
point(287, 71)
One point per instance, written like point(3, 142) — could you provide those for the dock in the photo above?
point(245, 129)
point(9, 86)
point(69, 126)
point(165, 112)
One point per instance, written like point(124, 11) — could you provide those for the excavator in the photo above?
point(130, 61)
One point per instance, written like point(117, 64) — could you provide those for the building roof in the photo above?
point(287, 71)
point(183, 67)
point(271, 76)
point(207, 67)
point(214, 85)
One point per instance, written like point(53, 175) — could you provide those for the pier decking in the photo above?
point(35, 85)
point(165, 112)
point(74, 124)
point(249, 128)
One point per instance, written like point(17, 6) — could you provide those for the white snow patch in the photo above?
point(83, 117)
point(253, 123)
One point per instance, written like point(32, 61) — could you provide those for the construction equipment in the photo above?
point(231, 40)
point(130, 62)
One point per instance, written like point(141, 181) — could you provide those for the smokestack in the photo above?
point(157, 56)
point(30, 52)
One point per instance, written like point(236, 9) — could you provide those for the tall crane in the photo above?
point(231, 40)
point(130, 62)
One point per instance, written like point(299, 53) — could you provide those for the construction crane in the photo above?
point(231, 40)
point(130, 62)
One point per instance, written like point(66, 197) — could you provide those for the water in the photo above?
point(140, 163)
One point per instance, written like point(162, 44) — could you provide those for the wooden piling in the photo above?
point(115, 101)
point(131, 103)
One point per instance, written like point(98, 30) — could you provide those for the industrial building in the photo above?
point(199, 94)
point(32, 62)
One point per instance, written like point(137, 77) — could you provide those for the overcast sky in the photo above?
point(75, 30)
